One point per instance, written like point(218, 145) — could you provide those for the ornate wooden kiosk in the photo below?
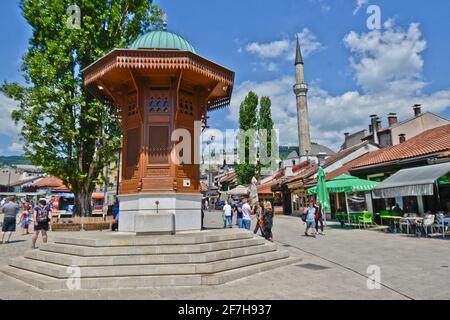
point(159, 85)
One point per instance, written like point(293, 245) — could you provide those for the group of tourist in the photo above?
point(313, 216)
point(262, 212)
point(40, 215)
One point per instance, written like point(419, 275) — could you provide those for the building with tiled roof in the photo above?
point(397, 132)
point(434, 142)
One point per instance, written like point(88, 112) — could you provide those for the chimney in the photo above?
point(321, 157)
point(402, 138)
point(378, 124)
point(417, 109)
point(374, 128)
point(392, 119)
point(347, 134)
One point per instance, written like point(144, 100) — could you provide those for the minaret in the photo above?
point(301, 91)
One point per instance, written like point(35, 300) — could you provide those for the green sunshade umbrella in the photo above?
point(346, 183)
point(322, 192)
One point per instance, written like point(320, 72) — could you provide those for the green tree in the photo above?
point(65, 130)
point(248, 121)
point(267, 143)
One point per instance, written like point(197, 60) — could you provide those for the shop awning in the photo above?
point(346, 183)
point(238, 191)
point(418, 181)
point(265, 191)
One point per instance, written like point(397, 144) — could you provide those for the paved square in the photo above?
point(333, 266)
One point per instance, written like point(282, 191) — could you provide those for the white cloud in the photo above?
point(285, 48)
point(359, 5)
point(388, 66)
point(8, 128)
point(16, 148)
point(389, 59)
point(7, 125)
point(324, 7)
point(271, 50)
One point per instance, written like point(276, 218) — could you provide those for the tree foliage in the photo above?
point(258, 128)
point(248, 121)
point(65, 130)
point(267, 142)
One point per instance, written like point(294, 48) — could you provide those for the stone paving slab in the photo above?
point(410, 268)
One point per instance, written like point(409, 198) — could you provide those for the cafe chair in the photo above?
point(365, 219)
point(427, 223)
point(405, 224)
point(440, 225)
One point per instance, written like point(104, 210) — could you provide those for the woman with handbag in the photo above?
point(268, 220)
point(42, 220)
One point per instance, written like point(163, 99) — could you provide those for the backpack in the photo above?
point(42, 215)
point(304, 216)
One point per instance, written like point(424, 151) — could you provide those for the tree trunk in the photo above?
point(83, 204)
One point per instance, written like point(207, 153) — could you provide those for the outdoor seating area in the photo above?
point(430, 225)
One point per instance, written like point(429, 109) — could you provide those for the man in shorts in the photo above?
point(10, 211)
point(42, 219)
point(311, 219)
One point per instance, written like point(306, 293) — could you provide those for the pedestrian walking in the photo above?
point(268, 221)
point(319, 218)
point(246, 215)
point(259, 209)
point(10, 211)
point(116, 214)
point(311, 219)
point(25, 219)
point(227, 216)
point(239, 214)
point(42, 219)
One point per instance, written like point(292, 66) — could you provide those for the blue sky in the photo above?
point(352, 71)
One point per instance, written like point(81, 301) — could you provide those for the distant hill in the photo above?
point(12, 160)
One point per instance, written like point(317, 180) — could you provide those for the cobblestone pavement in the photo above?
point(334, 266)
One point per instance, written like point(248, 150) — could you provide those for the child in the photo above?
point(25, 219)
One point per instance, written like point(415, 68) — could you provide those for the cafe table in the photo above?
point(408, 219)
point(393, 218)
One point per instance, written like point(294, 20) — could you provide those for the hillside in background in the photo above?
point(13, 160)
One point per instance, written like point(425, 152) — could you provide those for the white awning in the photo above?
point(239, 191)
point(418, 181)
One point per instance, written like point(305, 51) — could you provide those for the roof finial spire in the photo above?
point(164, 18)
point(298, 55)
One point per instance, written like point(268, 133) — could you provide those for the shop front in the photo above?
point(416, 190)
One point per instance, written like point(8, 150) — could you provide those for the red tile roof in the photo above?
point(229, 177)
point(430, 142)
point(50, 182)
point(329, 161)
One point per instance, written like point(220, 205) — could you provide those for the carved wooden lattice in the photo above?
point(158, 103)
point(132, 105)
point(186, 106)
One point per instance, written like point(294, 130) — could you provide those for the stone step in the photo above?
point(83, 251)
point(123, 260)
point(63, 272)
point(235, 274)
point(123, 240)
point(49, 283)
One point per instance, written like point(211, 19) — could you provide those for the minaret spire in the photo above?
point(298, 54)
point(301, 93)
